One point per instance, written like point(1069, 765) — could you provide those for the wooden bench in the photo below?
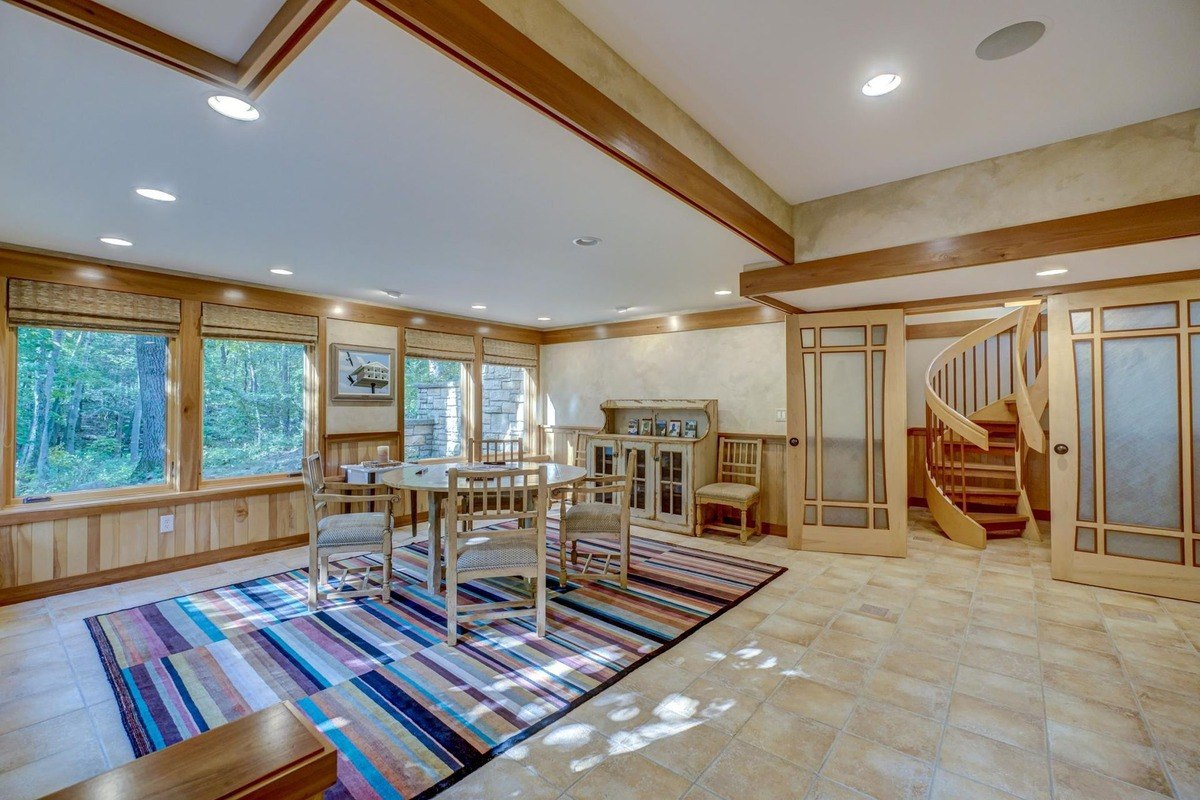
point(273, 754)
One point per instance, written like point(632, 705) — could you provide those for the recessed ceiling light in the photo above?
point(1037, 301)
point(479, 307)
point(543, 319)
point(881, 84)
point(280, 271)
point(116, 242)
point(587, 241)
point(395, 294)
point(338, 310)
point(622, 309)
point(156, 194)
point(233, 107)
point(1010, 40)
point(1046, 273)
point(723, 292)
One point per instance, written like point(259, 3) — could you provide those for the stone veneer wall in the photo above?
point(436, 429)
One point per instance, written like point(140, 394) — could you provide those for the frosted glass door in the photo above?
point(846, 433)
point(1124, 412)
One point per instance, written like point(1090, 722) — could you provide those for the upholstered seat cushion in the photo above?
point(351, 530)
point(515, 552)
point(591, 519)
point(727, 492)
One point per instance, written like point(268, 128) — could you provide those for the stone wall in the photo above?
point(435, 431)
point(503, 402)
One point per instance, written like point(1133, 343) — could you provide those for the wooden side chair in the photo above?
point(563, 494)
point(497, 450)
point(739, 471)
point(356, 532)
point(485, 497)
point(590, 520)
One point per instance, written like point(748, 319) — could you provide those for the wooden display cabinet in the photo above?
point(668, 468)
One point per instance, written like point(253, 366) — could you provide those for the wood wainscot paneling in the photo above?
point(78, 549)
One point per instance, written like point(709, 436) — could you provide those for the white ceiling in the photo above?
point(378, 164)
point(777, 81)
point(1172, 255)
point(222, 27)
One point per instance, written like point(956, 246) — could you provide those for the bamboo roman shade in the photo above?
point(431, 344)
point(231, 322)
point(513, 354)
point(57, 305)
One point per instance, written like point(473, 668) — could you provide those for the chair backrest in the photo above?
point(313, 472)
point(506, 450)
point(579, 456)
point(491, 496)
point(740, 461)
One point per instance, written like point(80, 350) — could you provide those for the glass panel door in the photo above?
point(602, 460)
point(641, 502)
point(1123, 423)
point(672, 489)
point(846, 432)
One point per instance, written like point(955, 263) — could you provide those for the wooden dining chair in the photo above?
point(564, 494)
point(589, 520)
point(483, 498)
point(509, 451)
point(355, 532)
point(738, 474)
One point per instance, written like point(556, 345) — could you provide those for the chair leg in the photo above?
point(625, 548)
point(387, 568)
point(757, 519)
point(412, 513)
point(699, 519)
point(451, 610)
point(539, 600)
point(745, 532)
point(314, 578)
point(562, 563)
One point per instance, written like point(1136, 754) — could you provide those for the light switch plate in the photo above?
point(166, 523)
point(781, 415)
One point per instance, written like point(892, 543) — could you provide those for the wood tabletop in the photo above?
point(435, 477)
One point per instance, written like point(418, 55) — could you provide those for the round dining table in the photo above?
point(434, 480)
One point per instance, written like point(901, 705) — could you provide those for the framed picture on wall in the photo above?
point(361, 374)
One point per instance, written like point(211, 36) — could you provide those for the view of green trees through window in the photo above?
point(91, 410)
point(253, 408)
point(433, 410)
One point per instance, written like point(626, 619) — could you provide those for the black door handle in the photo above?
point(793, 441)
point(1061, 449)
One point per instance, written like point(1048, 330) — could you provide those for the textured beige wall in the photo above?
point(359, 418)
point(1154, 160)
point(743, 368)
point(561, 34)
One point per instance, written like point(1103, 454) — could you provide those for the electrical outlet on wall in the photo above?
point(781, 415)
point(166, 523)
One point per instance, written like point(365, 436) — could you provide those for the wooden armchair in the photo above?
point(356, 532)
point(506, 450)
point(597, 519)
point(737, 486)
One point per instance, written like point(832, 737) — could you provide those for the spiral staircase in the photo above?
point(984, 400)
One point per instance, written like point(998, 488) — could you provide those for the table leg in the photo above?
point(435, 542)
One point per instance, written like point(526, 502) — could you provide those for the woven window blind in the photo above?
point(57, 305)
point(513, 354)
point(231, 322)
point(431, 344)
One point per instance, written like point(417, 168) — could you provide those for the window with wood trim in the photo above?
point(435, 408)
point(91, 411)
point(508, 369)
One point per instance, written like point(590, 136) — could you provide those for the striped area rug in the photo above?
point(408, 714)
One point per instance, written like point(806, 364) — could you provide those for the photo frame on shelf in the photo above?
point(361, 375)
point(632, 427)
point(690, 429)
point(660, 427)
point(675, 427)
point(646, 427)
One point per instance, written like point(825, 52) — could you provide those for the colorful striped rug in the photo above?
point(409, 715)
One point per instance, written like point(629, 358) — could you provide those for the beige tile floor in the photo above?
point(953, 674)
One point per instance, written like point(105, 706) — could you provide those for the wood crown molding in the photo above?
point(487, 44)
point(19, 262)
point(672, 323)
point(291, 29)
point(1148, 222)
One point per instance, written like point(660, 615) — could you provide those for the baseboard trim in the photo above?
point(36, 591)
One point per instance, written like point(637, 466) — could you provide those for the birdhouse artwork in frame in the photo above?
point(361, 374)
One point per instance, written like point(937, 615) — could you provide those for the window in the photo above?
point(505, 392)
point(433, 408)
point(91, 410)
point(253, 407)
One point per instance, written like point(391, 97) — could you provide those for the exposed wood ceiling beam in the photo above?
point(776, 303)
point(287, 34)
point(484, 42)
point(1149, 222)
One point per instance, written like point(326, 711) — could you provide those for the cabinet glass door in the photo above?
point(641, 504)
point(602, 460)
point(673, 491)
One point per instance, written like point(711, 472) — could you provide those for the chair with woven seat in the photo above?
point(737, 486)
point(356, 532)
point(604, 517)
point(509, 451)
point(565, 494)
point(484, 498)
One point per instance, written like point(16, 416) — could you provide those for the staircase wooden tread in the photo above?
point(983, 517)
point(992, 491)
